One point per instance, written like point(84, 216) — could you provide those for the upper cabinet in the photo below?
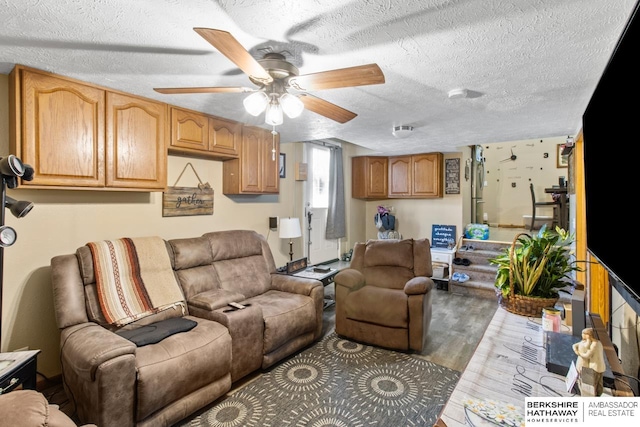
point(80, 136)
point(201, 135)
point(369, 177)
point(416, 176)
point(136, 142)
point(256, 170)
point(411, 176)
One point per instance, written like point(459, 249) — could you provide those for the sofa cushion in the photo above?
point(248, 276)
point(196, 280)
point(286, 316)
point(379, 306)
point(391, 253)
point(31, 409)
point(200, 356)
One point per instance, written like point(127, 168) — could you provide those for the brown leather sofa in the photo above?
point(112, 382)
point(385, 297)
point(283, 313)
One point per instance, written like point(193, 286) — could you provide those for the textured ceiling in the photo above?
point(530, 65)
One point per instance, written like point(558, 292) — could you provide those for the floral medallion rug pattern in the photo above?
point(339, 383)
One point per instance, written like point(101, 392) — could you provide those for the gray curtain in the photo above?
point(336, 223)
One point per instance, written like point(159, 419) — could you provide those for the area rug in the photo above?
point(340, 383)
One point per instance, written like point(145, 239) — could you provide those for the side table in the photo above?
point(326, 278)
point(18, 368)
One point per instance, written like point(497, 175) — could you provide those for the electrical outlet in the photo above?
point(273, 223)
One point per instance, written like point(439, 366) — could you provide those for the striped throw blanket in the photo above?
point(134, 278)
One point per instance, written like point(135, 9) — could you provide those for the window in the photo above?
point(319, 177)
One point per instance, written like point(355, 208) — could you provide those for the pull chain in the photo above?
point(273, 144)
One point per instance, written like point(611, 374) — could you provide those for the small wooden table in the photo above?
point(18, 368)
point(564, 207)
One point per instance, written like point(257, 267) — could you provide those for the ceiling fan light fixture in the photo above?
point(402, 131)
point(291, 105)
point(256, 103)
point(273, 116)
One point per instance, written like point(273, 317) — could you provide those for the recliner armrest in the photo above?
point(88, 345)
point(293, 284)
point(350, 278)
point(418, 285)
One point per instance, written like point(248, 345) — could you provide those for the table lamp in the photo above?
point(290, 228)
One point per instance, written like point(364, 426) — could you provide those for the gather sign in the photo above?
point(187, 201)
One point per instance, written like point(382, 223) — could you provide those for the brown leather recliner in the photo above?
point(114, 383)
point(384, 298)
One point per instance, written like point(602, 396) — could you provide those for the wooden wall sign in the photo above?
point(188, 201)
point(452, 176)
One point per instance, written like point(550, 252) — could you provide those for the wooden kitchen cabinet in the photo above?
point(80, 136)
point(136, 151)
point(369, 177)
point(189, 129)
point(225, 136)
point(197, 134)
point(59, 129)
point(256, 171)
point(400, 176)
point(416, 176)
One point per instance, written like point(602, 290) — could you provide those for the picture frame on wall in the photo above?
point(562, 160)
point(283, 165)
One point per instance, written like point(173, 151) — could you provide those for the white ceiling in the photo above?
point(530, 65)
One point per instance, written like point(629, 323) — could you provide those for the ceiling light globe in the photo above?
point(291, 105)
point(256, 103)
point(273, 116)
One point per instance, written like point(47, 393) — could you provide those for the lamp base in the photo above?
point(290, 250)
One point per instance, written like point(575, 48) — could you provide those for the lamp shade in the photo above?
point(273, 116)
point(255, 103)
point(291, 105)
point(290, 228)
point(18, 208)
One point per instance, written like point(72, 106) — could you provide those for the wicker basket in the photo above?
point(520, 304)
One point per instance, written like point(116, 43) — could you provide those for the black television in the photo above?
point(610, 126)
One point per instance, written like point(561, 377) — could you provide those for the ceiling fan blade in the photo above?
point(327, 109)
point(232, 49)
point(360, 75)
point(177, 90)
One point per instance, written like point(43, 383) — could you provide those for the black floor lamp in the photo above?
point(11, 168)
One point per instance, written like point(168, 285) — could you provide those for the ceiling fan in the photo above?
point(274, 76)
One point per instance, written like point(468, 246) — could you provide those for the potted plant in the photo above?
point(532, 269)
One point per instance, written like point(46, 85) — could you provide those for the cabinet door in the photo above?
point(251, 160)
point(427, 175)
point(369, 177)
point(400, 176)
point(270, 162)
point(63, 138)
point(136, 138)
point(189, 130)
point(224, 136)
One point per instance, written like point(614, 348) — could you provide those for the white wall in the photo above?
point(505, 204)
